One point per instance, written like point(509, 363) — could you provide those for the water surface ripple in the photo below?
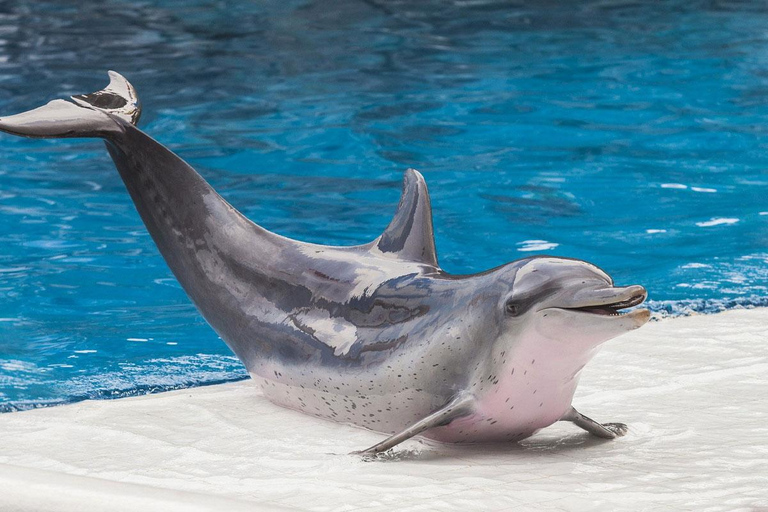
point(626, 134)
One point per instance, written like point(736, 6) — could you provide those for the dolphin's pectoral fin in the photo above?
point(604, 430)
point(619, 429)
point(460, 406)
point(410, 235)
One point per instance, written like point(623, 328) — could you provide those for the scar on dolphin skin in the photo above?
point(376, 335)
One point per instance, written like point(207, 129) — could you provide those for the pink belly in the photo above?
point(514, 408)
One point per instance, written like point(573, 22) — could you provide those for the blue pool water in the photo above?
point(633, 136)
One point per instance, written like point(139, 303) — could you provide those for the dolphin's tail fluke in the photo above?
point(91, 115)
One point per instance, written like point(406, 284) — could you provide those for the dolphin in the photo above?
point(374, 335)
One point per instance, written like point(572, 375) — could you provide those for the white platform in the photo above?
point(693, 390)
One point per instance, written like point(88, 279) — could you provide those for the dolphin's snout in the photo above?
point(636, 295)
point(615, 296)
point(610, 301)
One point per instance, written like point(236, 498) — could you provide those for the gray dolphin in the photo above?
point(375, 335)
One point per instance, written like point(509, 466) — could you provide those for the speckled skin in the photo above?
point(375, 335)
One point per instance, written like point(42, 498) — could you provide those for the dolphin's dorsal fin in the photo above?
point(410, 236)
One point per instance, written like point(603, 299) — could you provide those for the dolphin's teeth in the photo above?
point(611, 309)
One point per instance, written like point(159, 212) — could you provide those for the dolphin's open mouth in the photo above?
point(608, 301)
point(612, 309)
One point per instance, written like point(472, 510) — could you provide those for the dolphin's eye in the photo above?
point(511, 308)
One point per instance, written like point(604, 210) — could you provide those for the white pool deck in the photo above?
point(694, 392)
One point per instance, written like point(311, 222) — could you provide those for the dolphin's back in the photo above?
point(269, 297)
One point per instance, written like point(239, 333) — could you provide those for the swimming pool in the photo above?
point(631, 136)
